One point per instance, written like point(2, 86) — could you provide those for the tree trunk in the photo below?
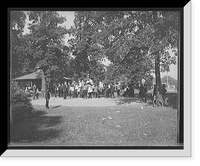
point(157, 58)
point(157, 71)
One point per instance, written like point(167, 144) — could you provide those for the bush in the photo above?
point(20, 103)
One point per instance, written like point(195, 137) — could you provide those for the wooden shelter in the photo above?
point(36, 78)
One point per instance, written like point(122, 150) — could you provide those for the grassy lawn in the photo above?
point(124, 124)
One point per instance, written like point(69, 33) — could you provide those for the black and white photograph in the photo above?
point(96, 79)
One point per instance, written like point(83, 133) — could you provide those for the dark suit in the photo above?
point(47, 97)
point(64, 91)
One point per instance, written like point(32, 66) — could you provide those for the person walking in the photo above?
point(47, 97)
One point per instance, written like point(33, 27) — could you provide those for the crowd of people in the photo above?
point(88, 89)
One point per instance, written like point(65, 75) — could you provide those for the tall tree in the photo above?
point(165, 26)
point(116, 35)
point(151, 32)
point(17, 23)
point(44, 46)
point(86, 50)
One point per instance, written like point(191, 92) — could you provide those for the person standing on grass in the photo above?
point(72, 90)
point(96, 93)
point(64, 90)
point(47, 97)
point(37, 93)
point(79, 89)
point(55, 90)
point(90, 90)
point(145, 93)
point(118, 89)
point(164, 91)
point(76, 90)
point(34, 92)
point(85, 91)
point(59, 90)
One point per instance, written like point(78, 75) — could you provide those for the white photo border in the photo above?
point(185, 152)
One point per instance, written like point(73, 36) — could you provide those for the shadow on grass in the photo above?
point(56, 106)
point(128, 100)
point(38, 127)
point(172, 102)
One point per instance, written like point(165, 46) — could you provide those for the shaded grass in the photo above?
point(38, 127)
point(173, 100)
point(116, 125)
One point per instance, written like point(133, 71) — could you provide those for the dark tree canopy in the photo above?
point(17, 23)
point(136, 43)
point(43, 46)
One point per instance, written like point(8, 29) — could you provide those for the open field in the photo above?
point(116, 122)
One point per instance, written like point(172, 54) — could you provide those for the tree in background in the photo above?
point(135, 42)
point(115, 34)
point(165, 31)
point(17, 23)
point(43, 47)
point(152, 33)
point(86, 51)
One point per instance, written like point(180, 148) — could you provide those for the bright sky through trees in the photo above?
point(69, 15)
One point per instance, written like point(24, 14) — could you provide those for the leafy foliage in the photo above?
point(135, 42)
point(131, 40)
point(43, 47)
point(20, 104)
point(17, 23)
point(86, 51)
